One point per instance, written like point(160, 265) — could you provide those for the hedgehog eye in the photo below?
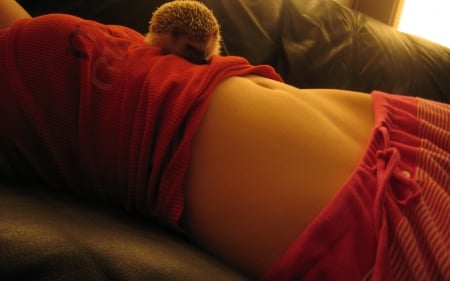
point(193, 50)
point(190, 47)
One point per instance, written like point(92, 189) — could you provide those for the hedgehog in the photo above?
point(186, 28)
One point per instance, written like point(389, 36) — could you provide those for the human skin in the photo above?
point(265, 161)
point(11, 11)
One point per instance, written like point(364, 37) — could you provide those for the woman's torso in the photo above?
point(265, 161)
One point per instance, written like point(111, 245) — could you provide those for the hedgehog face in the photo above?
point(186, 28)
point(195, 51)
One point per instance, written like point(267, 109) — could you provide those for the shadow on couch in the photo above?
point(49, 236)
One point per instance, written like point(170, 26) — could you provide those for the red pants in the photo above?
point(390, 221)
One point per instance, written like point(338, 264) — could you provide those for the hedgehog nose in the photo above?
point(197, 59)
point(195, 55)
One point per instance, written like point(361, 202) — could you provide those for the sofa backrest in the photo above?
point(311, 43)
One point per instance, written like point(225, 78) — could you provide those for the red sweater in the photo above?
point(90, 108)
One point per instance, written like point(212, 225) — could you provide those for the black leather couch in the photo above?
point(45, 235)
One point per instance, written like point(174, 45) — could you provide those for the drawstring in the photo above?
point(387, 161)
point(388, 171)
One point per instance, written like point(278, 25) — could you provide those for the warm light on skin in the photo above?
point(429, 19)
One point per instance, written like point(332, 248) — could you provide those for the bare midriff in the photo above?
point(266, 160)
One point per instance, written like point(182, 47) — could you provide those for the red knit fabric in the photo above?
point(89, 107)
